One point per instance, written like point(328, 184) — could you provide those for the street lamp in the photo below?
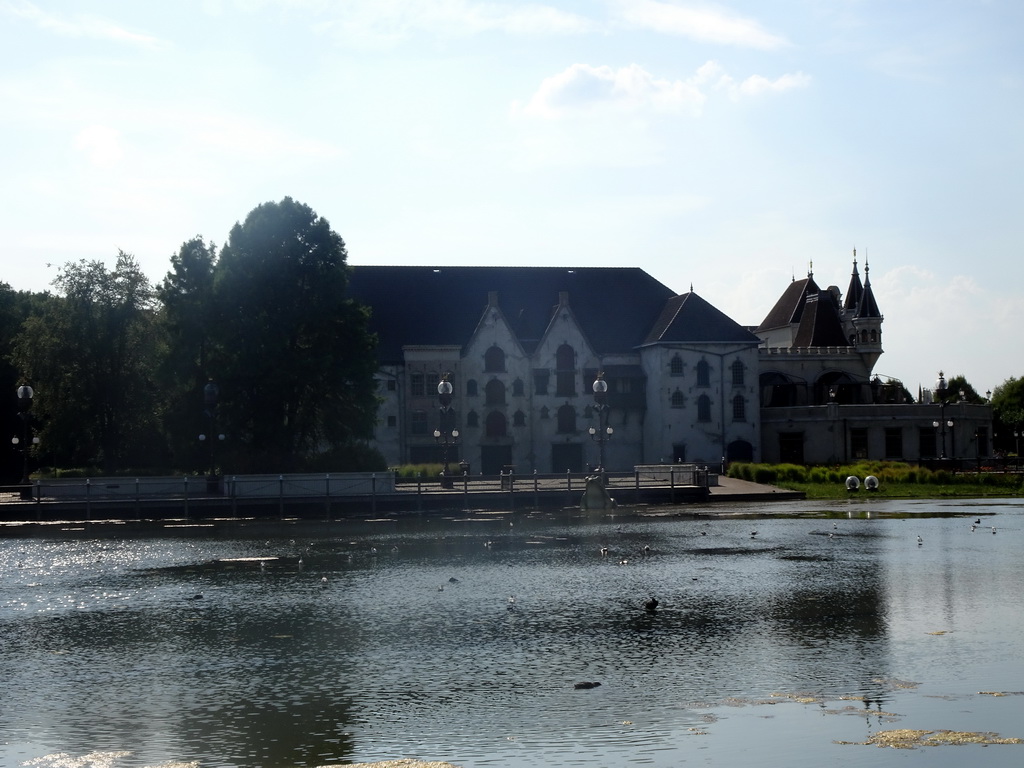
point(602, 433)
point(25, 395)
point(210, 394)
point(446, 434)
point(941, 389)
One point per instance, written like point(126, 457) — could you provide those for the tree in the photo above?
point(1008, 409)
point(957, 384)
point(90, 355)
point(188, 318)
point(15, 308)
point(292, 353)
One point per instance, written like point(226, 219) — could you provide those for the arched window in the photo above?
point(472, 419)
point(739, 408)
point(703, 408)
point(737, 373)
point(494, 360)
point(519, 419)
point(703, 374)
point(675, 366)
point(678, 399)
point(518, 388)
point(494, 393)
point(565, 371)
point(496, 425)
point(471, 388)
point(566, 419)
point(874, 335)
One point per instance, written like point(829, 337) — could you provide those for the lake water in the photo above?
point(462, 638)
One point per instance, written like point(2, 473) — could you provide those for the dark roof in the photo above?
point(868, 307)
point(855, 291)
point(689, 318)
point(820, 325)
point(615, 306)
point(790, 306)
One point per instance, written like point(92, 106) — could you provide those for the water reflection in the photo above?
point(306, 644)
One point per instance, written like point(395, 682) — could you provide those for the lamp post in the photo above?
point(211, 392)
point(941, 389)
point(445, 434)
point(25, 395)
point(602, 433)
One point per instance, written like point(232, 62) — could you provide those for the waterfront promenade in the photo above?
point(131, 501)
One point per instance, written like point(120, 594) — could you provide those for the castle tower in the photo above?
point(862, 321)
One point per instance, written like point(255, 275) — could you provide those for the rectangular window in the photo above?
point(737, 374)
point(392, 421)
point(893, 443)
point(540, 382)
point(565, 383)
point(416, 384)
point(859, 443)
point(392, 385)
point(418, 423)
point(739, 408)
point(926, 443)
point(430, 385)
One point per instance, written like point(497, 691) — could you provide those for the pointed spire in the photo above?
point(855, 292)
point(867, 306)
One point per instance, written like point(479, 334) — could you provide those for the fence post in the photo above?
point(535, 497)
point(373, 492)
point(672, 483)
point(568, 485)
point(186, 497)
point(327, 495)
point(138, 513)
point(234, 496)
point(280, 497)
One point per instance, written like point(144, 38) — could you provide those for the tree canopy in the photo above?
point(91, 355)
point(289, 350)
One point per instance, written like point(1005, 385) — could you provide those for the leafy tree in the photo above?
point(90, 355)
point(188, 317)
point(15, 307)
point(1008, 409)
point(957, 384)
point(292, 353)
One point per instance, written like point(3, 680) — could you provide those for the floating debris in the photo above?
point(905, 738)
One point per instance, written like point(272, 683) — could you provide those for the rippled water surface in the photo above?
point(462, 639)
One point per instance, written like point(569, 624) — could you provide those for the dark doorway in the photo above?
point(495, 458)
point(566, 457)
point(739, 450)
point(791, 447)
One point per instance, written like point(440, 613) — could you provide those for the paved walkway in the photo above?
point(733, 488)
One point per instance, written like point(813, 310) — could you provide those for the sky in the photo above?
point(731, 147)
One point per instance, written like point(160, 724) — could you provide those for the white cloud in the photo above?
point(757, 84)
point(388, 22)
point(584, 88)
point(698, 21)
point(79, 26)
point(101, 144)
